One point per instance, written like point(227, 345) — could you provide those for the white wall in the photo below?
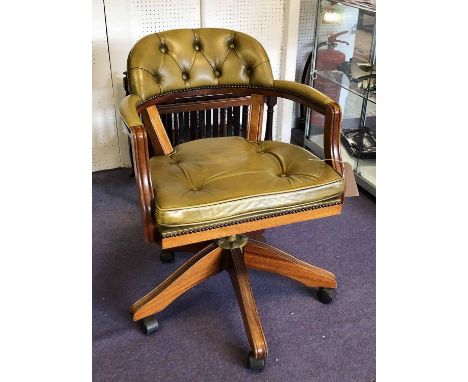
point(129, 20)
point(106, 151)
point(288, 68)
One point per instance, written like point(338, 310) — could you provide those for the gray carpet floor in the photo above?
point(201, 335)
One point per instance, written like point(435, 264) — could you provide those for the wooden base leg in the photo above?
point(264, 257)
point(204, 264)
point(241, 283)
point(235, 254)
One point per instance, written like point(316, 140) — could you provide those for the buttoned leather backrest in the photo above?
point(190, 58)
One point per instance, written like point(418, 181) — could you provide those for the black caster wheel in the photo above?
point(326, 295)
point(149, 325)
point(256, 364)
point(167, 256)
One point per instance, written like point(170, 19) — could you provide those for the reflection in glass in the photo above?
point(345, 70)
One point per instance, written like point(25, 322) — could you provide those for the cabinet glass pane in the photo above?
point(366, 162)
point(345, 43)
point(345, 70)
point(351, 107)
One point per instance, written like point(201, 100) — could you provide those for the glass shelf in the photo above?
point(342, 80)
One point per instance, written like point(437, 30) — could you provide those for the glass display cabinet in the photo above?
point(344, 68)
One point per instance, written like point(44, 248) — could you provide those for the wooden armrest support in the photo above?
point(331, 137)
point(156, 130)
point(143, 179)
point(254, 128)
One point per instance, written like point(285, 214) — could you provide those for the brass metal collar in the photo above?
point(233, 241)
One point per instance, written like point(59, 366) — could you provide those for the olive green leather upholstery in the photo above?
point(187, 58)
point(303, 91)
point(128, 110)
point(215, 180)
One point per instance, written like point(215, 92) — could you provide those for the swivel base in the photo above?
point(234, 254)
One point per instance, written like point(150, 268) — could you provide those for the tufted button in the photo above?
point(157, 79)
point(283, 175)
point(248, 70)
point(196, 47)
point(217, 73)
point(231, 44)
point(163, 48)
point(185, 76)
point(194, 189)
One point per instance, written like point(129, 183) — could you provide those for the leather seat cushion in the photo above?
point(224, 179)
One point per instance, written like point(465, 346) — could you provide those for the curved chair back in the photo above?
point(195, 58)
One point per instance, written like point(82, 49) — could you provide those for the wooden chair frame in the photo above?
point(213, 257)
point(220, 97)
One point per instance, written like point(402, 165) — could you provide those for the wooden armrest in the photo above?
point(306, 92)
point(128, 110)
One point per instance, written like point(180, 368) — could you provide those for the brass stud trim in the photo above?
point(222, 225)
point(163, 48)
point(285, 91)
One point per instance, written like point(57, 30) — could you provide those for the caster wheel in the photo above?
point(167, 256)
point(326, 295)
point(149, 325)
point(256, 364)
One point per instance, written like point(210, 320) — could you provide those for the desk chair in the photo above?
point(208, 172)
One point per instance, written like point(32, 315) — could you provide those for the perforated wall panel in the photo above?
point(262, 19)
point(105, 137)
point(306, 34)
point(127, 22)
point(149, 16)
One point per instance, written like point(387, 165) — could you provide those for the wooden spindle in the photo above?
point(170, 127)
point(209, 126)
point(229, 121)
point(193, 126)
point(271, 102)
point(245, 120)
point(176, 129)
point(201, 124)
point(223, 123)
point(236, 120)
point(215, 122)
point(186, 126)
